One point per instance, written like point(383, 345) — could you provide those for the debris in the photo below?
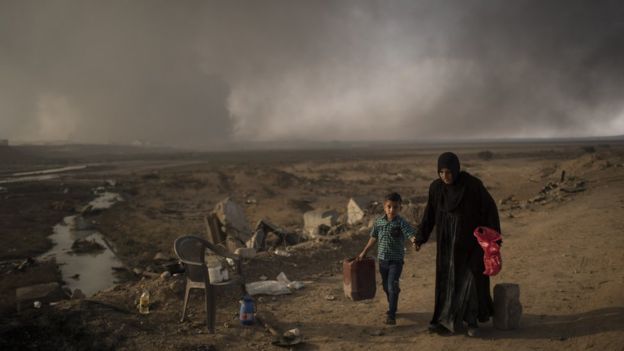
point(80, 223)
point(376, 332)
point(295, 285)
point(160, 257)
point(287, 339)
point(330, 297)
point(280, 252)
point(267, 287)
point(232, 216)
point(357, 208)
point(217, 273)
point(246, 252)
point(86, 246)
point(44, 293)
point(77, 294)
point(165, 275)
point(314, 219)
point(263, 277)
point(26, 263)
point(507, 306)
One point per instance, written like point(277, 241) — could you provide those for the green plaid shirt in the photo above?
point(389, 247)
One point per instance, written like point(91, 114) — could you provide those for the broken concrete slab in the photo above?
point(507, 306)
point(44, 293)
point(357, 208)
point(233, 218)
point(312, 220)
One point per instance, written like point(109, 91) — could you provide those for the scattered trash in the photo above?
point(246, 252)
point(144, 302)
point(37, 304)
point(26, 263)
point(160, 257)
point(330, 297)
point(78, 295)
point(295, 285)
point(280, 252)
point(218, 273)
point(286, 339)
point(314, 219)
point(247, 310)
point(86, 246)
point(267, 287)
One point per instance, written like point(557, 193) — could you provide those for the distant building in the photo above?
point(4, 142)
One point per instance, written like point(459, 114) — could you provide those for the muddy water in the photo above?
point(89, 272)
point(40, 175)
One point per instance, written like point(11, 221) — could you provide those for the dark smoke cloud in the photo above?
point(197, 72)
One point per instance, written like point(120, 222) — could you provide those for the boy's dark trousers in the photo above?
point(390, 274)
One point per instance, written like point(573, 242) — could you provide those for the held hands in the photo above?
point(361, 256)
point(416, 245)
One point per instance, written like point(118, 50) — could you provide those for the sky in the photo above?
point(204, 73)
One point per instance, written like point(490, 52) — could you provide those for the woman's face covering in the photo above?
point(446, 175)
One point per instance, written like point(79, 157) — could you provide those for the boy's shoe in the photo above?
point(390, 321)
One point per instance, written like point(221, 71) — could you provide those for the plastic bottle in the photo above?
point(247, 310)
point(144, 301)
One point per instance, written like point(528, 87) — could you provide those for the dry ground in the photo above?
point(565, 249)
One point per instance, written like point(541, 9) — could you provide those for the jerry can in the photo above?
point(359, 278)
point(247, 310)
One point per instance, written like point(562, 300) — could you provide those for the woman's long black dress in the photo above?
point(462, 291)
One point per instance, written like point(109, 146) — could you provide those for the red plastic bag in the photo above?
point(487, 238)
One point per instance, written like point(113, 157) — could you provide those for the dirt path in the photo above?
point(567, 259)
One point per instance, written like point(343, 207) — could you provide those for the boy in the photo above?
point(391, 231)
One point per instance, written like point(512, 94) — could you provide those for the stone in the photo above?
point(233, 218)
point(45, 293)
point(77, 294)
point(357, 208)
point(80, 223)
point(507, 306)
point(160, 257)
point(246, 252)
point(165, 275)
point(314, 219)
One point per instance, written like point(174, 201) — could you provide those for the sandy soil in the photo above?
point(563, 247)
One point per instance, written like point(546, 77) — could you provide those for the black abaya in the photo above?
point(462, 291)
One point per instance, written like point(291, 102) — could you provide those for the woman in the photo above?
point(457, 204)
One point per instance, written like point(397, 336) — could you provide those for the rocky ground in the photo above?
point(563, 246)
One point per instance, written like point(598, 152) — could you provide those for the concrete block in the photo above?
point(312, 220)
point(507, 306)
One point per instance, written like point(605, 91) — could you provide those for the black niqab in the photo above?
point(453, 193)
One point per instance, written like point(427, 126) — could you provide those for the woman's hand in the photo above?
point(361, 256)
point(416, 245)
